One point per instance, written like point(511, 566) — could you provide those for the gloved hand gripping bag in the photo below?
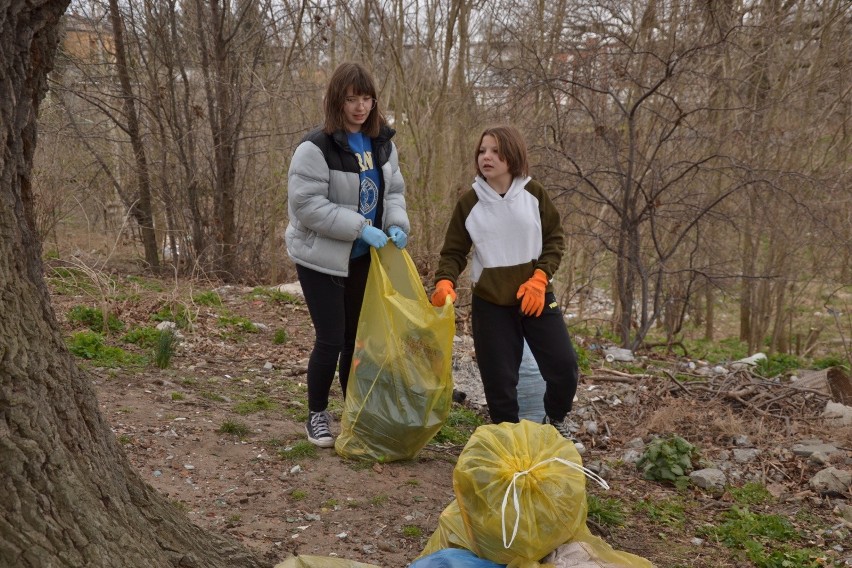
point(400, 385)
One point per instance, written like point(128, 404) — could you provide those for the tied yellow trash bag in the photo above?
point(520, 494)
point(321, 562)
point(400, 386)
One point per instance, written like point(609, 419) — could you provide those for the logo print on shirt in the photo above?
point(369, 195)
point(365, 161)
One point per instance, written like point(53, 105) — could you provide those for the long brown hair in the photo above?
point(356, 76)
point(511, 147)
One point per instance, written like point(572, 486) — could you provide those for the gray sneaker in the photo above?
point(318, 429)
point(564, 427)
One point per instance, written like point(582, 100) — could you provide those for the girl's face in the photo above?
point(356, 109)
point(491, 165)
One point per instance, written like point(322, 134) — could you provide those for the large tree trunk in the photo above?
point(69, 495)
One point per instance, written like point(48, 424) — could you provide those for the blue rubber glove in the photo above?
point(374, 237)
point(398, 237)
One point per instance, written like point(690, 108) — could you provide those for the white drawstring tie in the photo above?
point(514, 489)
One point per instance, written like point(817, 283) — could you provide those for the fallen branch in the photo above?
point(609, 379)
point(678, 383)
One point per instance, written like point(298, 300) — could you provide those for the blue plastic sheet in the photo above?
point(531, 387)
point(454, 558)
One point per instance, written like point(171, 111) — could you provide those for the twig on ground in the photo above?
point(678, 383)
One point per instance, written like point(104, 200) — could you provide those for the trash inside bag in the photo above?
point(520, 495)
point(454, 558)
point(322, 562)
point(400, 385)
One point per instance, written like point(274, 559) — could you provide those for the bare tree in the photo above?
point(141, 209)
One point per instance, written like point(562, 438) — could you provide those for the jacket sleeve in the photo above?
point(552, 235)
point(308, 197)
point(395, 208)
point(457, 242)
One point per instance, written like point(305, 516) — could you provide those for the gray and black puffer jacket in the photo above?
point(323, 188)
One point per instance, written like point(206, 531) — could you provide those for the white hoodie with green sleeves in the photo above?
point(512, 235)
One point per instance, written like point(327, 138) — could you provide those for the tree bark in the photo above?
point(70, 496)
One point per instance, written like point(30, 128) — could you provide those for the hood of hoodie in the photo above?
point(488, 194)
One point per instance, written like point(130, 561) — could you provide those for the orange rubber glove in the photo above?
point(532, 292)
point(443, 289)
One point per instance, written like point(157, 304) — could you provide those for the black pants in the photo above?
point(335, 306)
point(498, 339)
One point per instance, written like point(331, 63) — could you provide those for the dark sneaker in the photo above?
point(318, 429)
point(566, 428)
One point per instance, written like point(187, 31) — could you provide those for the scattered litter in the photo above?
point(613, 354)
point(749, 361)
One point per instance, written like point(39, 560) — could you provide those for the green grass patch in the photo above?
point(70, 281)
point(378, 500)
point(459, 426)
point(831, 361)
point(360, 465)
point(412, 531)
point(178, 396)
point(152, 285)
point(273, 295)
point(280, 337)
point(143, 336)
point(602, 334)
point(210, 299)
point(300, 450)
point(234, 427)
point(583, 358)
point(729, 349)
point(777, 364)
point(258, 404)
point(606, 512)
point(167, 343)
point(750, 494)
point(92, 347)
point(298, 494)
point(237, 322)
point(668, 512)
point(209, 395)
point(93, 318)
point(768, 541)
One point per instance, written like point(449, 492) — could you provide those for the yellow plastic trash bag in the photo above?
point(520, 493)
point(400, 388)
point(589, 551)
point(322, 562)
point(521, 490)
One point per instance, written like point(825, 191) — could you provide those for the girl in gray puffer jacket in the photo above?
point(345, 194)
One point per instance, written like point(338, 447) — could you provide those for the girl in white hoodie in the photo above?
point(516, 235)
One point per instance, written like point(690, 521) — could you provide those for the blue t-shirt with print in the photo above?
point(368, 201)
